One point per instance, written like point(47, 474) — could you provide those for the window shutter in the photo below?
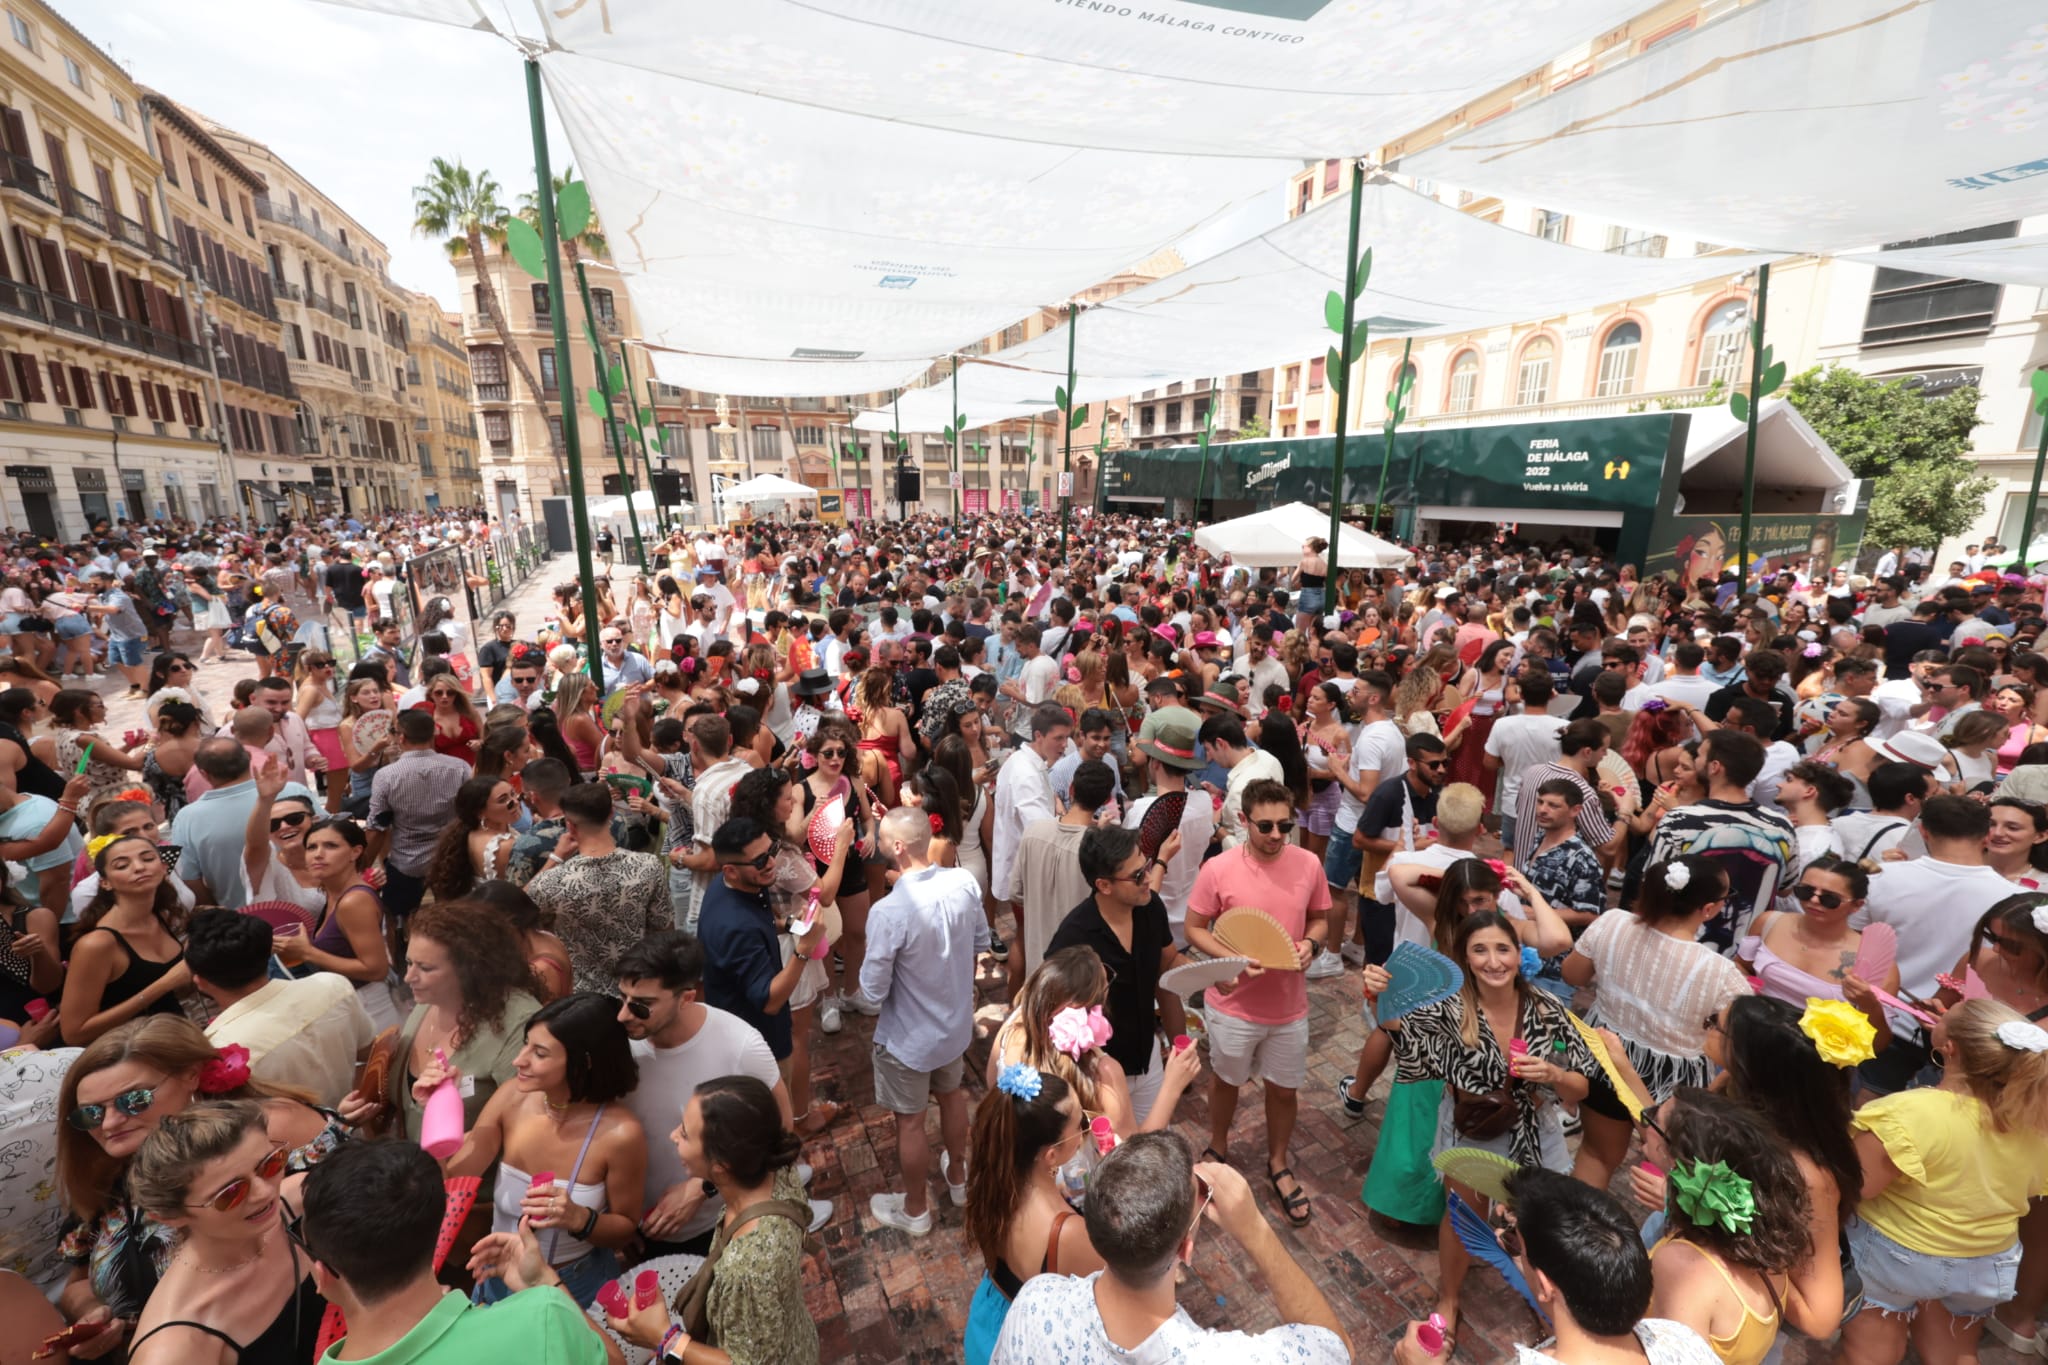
point(102, 287)
point(16, 132)
point(181, 325)
point(107, 392)
point(52, 262)
point(105, 179)
point(81, 283)
point(59, 385)
point(6, 382)
point(169, 152)
point(256, 433)
point(149, 401)
point(127, 395)
point(81, 386)
point(163, 400)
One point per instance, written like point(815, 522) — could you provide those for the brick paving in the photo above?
point(880, 1296)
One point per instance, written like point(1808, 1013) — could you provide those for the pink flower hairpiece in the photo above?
point(1812, 651)
point(229, 1070)
point(1073, 1030)
point(1499, 868)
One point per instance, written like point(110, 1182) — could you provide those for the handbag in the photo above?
point(1483, 1116)
point(693, 1304)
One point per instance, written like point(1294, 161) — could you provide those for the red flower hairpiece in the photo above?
point(229, 1070)
point(938, 823)
point(135, 794)
point(1499, 868)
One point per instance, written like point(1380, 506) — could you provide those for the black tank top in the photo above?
point(288, 1340)
point(139, 975)
point(36, 777)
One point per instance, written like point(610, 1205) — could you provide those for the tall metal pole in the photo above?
point(1756, 379)
point(572, 441)
point(1067, 436)
point(611, 413)
point(1387, 452)
point(639, 433)
point(959, 495)
point(2037, 398)
point(902, 447)
point(1344, 381)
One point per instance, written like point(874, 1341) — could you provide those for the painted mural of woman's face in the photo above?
point(1709, 553)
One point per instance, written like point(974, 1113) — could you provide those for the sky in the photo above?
point(359, 103)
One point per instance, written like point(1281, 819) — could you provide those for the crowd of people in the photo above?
point(1697, 929)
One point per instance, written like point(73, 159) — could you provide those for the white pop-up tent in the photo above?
point(1273, 539)
point(769, 488)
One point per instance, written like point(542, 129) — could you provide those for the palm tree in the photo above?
point(463, 207)
point(591, 239)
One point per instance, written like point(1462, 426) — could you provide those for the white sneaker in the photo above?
point(821, 1213)
point(1353, 952)
point(956, 1189)
point(858, 1000)
point(887, 1209)
point(804, 1172)
point(828, 1015)
point(1323, 967)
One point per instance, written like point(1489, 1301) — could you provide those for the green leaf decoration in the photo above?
point(525, 245)
point(2039, 381)
point(1738, 403)
point(1764, 360)
point(590, 335)
point(647, 417)
point(599, 406)
point(1333, 368)
point(1333, 311)
point(1773, 377)
point(1080, 416)
point(1059, 395)
point(615, 378)
point(1363, 273)
point(650, 435)
point(572, 209)
point(1360, 334)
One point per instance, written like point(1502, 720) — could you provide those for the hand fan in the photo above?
point(1476, 1236)
point(1162, 818)
point(826, 820)
point(371, 729)
point(281, 916)
point(1877, 952)
point(170, 854)
point(1190, 977)
point(1630, 1100)
point(1892, 1002)
point(461, 1198)
point(1421, 976)
point(1252, 933)
point(1478, 1169)
point(671, 1274)
point(609, 712)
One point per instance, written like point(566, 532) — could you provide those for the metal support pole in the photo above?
point(2026, 554)
point(611, 413)
point(1756, 379)
point(572, 441)
point(1344, 380)
point(640, 435)
point(1067, 435)
point(959, 494)
point(1387, 453)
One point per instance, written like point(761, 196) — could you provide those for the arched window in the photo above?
point(1724, 345)
point(1465, 381)
point(1393, 386)
point(1532, 379)
point(1618, 361)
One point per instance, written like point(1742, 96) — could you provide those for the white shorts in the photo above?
point(1144, 1087)
point(1274, 1053)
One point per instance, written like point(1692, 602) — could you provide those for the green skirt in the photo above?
point(1401, 1184)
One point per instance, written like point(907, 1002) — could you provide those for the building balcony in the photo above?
point(34, 305)
point(83, 208)
point(132, 235)
point(328, 306)
point(500, 392)
point(300, 223)
point(1616, 406)
point(436, 339)
point(285, 289)
point(19, 174)
point(451, 388)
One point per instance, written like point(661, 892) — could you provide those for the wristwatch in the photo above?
point(673, 1345)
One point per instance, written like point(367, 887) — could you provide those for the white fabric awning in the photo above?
point(1435, 269)
point(2005, 260)
point(1274, 538)
point(1790, 124)
point(768, 488)
point(1789, 452)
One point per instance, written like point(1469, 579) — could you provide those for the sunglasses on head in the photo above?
point(2011, 947)
point(235, 1193)
point(1831, 900)
point(87, 1117)
point(1268, 826)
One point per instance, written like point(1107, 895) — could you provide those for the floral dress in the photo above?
point(756, 1305)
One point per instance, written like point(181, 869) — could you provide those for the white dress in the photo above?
point(973, 856)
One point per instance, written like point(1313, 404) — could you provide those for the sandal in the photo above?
point(816, 1119)
point(1289, 1203)
point(1211, 1154)
point(2025, 1345)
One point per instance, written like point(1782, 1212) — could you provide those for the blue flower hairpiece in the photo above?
point(1532, 962)
point(1019, 1081)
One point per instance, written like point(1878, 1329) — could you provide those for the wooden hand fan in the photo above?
point(1257, 935)
point(1480, 1170)
point(1624, 1087)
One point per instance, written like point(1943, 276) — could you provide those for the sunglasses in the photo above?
point(2011, 947)
point(831, 753)
point(1831, 900)
point(235, 1193)
point(1268, 826)
point(759, 864)
point(133, 1103)
point(639, 1009)
point(179, 668)
point(296, 818)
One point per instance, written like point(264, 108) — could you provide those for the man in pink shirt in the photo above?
point(1258, 1025)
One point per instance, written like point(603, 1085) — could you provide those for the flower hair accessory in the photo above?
point(2022, 1035)
point(2041, 918)
point(1497, 867)
point(1532, 962)
point(229, 1070)
point(1655, 705)
point(1840, 1032)
point(135, 794)
point(938, 823)
point(1019, 1082)
point(1812, 651)
point(98, 842)
point(1098, 1026)
point(1677, 876)
point(1710, 1193)
point(1071, 1032)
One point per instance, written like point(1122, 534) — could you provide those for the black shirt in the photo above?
point(345, 581)
point(1904, 639)
point(494, 655)
point(1383, 809)
point(1133, 974)
point(1718, 704)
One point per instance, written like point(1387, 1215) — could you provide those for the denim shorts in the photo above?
point(1341, 862)
point(1898, 1280)
point(127, 652)
point(73, 626)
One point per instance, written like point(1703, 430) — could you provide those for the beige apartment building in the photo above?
point(344, 339)
point(108, 404)
point(523, 457)
point(438, 391)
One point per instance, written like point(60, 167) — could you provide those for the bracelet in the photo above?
point(589, 1226)
point(674, 1343)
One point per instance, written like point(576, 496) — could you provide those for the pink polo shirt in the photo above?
point(1289, 888)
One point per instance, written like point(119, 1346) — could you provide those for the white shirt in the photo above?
point(1380, 747)
point(1023, 795)
point(1933, 906)
point(1266, 673)
point(1778, 756)
point(1256, 765)
point(1197, 824)
point(307, 1033)
point(723, 1045)
point(1055, 1319)
point(1520, 742)
point(1686, 687)
point(1664, 1342)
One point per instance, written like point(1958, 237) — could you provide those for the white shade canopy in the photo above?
point(768, 488)
point(1273, 539)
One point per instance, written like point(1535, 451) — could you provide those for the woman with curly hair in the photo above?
point(553, 974)
point(129, 956)
point(473, 991)
point(477, 843)
point(884, 732)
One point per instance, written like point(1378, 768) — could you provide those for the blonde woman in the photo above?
point(576, 712)
point(318, 707)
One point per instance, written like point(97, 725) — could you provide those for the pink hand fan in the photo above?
point(823, 831)
point(281, 916)
point(1878, 951)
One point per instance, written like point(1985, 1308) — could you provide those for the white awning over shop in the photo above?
point(1274, 538)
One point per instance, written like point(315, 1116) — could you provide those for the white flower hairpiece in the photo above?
point(2023, 1036)
point(1677, 876)
point(2041, 918)
point(164, 694)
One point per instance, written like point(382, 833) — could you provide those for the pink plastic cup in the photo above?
point(646, 1289)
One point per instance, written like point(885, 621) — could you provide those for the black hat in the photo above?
point(813, 682)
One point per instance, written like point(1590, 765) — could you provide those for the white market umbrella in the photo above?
point(768, 488)
point(1273, 539)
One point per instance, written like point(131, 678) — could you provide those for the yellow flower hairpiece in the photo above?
point(98, 842)
point(1840, 1032)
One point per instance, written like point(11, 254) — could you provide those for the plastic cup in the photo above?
point(1430, 1336)
point(1181, 1042)
point(613, 1300)
point(36, 1009)
point(542, 1180)
point(1104, 1134)
point(646, 1289)
point(1517, 1047)
point(1653, 1168)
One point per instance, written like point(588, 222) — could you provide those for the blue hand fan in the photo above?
point(1421, 976)
point(1479, 1242)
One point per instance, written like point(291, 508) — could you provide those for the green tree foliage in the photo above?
point(1255, 429)
point(1914, 449)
